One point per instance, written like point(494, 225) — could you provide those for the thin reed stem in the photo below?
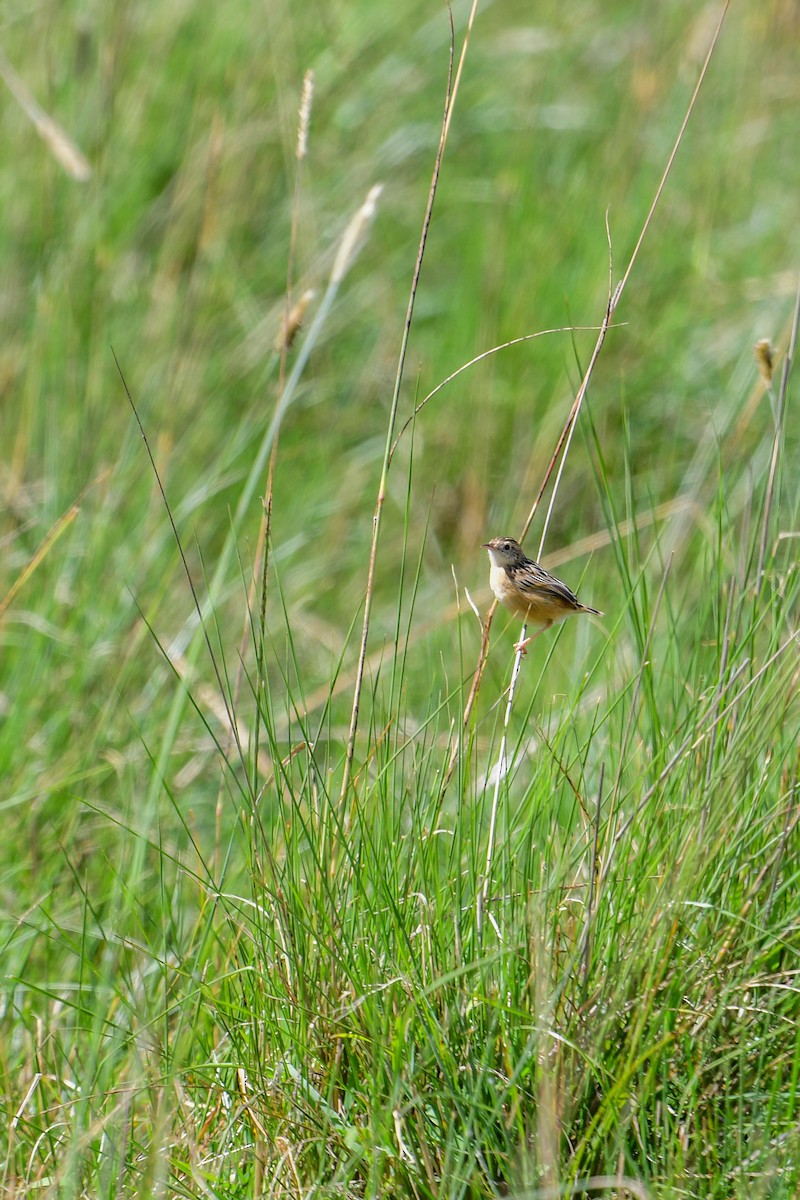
point(450, 96)
point(776, 443)
point(501, 770)
point(565, 436)
point(346, 255)
point(260, 571)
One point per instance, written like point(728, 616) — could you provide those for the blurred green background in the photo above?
point(175, 254)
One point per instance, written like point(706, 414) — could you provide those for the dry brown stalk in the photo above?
point(60, 144)
point(776, 442)
point(450, 97)
point(563, 442)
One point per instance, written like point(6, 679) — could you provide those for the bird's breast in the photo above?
point(535, 608)
point(508, 593)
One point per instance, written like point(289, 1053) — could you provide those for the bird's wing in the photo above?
point(533, 580)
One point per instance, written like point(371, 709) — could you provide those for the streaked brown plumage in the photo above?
point(527, 590)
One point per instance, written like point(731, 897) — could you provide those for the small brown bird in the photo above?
point(527, 590)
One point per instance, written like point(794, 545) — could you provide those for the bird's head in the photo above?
point(504, 551)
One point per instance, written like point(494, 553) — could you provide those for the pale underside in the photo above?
point(535, 602)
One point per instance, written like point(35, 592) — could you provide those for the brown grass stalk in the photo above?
point(565, 436)
point(60, 144)
point(450, 97)
point(261, 559)
point(776, 443)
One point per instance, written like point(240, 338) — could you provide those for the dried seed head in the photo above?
point(305, 115)
point(292, 322)
point(765, 357)
point(61, 145)
point(351, 239)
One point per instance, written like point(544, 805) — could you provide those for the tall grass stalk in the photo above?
point(565, 437)
point(185, 646)
point(450, 97)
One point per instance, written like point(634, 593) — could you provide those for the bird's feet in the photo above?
point(521, 647)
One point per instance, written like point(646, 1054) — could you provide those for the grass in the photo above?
point(230, 966)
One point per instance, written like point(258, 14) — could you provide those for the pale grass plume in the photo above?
point(305, 115)
point(353, 235)
point(61, 146)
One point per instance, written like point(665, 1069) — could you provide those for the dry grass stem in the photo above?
point(527, 337)
point(500, 772)
point(292, 322)
point(450, 96)
point(354, 234)
point(776, 442)
point(62, 147)
point(564, 438)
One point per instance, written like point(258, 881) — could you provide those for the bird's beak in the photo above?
point(485, 545)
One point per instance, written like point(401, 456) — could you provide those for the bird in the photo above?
point(527, 590)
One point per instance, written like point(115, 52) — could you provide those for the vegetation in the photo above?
point(247, 947)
